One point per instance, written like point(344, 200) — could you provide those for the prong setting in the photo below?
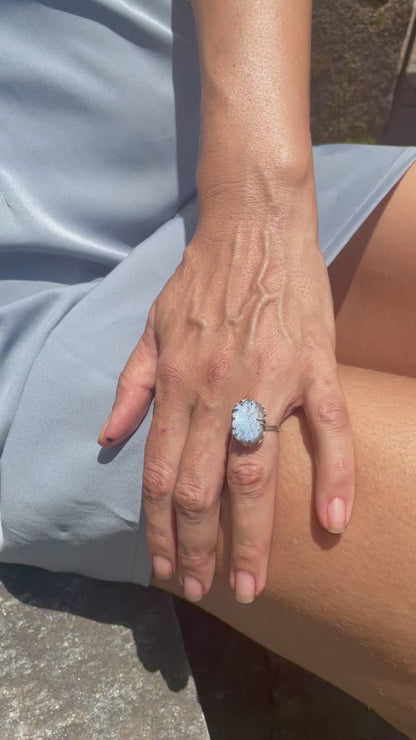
point(248, 422)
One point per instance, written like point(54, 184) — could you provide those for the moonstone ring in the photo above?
point(248, 422)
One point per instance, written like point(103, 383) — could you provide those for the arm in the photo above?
point(254, 60)
point(247, 313)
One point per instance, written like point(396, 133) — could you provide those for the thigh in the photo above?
point(343, 606)
point(373, 283)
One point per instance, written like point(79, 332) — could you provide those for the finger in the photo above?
point(134, 390)
point(329, 423)
point(252, 478)
point(164, 446)
point(201, 477)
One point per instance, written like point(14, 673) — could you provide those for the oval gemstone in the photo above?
point(247, 422)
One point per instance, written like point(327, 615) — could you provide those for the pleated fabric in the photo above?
point(99, 126)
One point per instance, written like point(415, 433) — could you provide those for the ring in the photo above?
point(248, 422)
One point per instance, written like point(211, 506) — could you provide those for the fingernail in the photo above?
point(193, 589)
point(101, 436)
point(336, 516)
point(245, 588)
point(162, 567)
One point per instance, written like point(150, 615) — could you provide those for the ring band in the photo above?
point(248, 422)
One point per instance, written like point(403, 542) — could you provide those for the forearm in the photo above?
point(255, 65)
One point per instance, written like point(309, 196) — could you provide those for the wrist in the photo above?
point(239, 184)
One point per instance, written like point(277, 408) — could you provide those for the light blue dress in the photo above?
point(98, 146)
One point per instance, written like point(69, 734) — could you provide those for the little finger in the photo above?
point(329, 423)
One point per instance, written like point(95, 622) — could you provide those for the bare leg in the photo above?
point(374, 287)
point(343, 607)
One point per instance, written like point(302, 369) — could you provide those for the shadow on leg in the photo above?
point(373, 284)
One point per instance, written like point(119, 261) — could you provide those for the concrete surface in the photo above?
point(82, 659)
point(401, 126)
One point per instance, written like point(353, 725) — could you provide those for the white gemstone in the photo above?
point(247, 422)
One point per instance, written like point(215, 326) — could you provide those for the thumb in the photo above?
point(134, 389)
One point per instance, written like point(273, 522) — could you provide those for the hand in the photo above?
point(247, 313)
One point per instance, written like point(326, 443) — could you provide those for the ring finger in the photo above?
point(252, 478)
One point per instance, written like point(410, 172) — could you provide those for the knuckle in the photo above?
point(157, 534)
point(193, 562)
point(318, 361)
point(262, 358)
point(247, 476)
point(190, 499)
point(313, 348)
point(342, 470)
point(210, 406)
point(170, 376)
point(158, 540)
point(157, 484)
point(333, 414)
point(217, 369)
point(248, 552)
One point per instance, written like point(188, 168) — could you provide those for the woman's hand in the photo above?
point(247, 313)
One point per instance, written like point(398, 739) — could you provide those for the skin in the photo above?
point(344, 607)
point(247, 313)
point(373, 283)
point(341, 606)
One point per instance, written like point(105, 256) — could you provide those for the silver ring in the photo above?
point(248, 422)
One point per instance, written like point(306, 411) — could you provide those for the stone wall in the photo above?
point(356, 47)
